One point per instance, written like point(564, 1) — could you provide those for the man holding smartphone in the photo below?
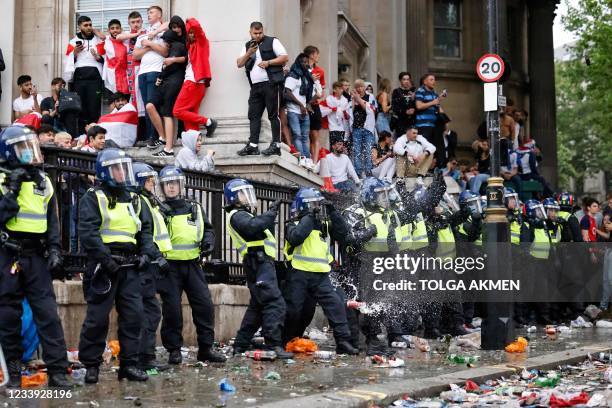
point(263, 58)
point(83, 68)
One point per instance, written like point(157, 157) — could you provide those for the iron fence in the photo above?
point(72, 173)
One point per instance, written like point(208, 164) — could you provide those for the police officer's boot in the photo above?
point(208, 354)
point(132, 373)
point(175, 357)
point(14, 369)
point(281, 354)
point(377, 347)
point(345, 347)
point(92, 374)
point(150, 363)
point(59, 380)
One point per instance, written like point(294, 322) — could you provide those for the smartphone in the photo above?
point(444, 93)
point(79, 42)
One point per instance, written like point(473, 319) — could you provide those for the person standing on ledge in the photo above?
point(263, 58)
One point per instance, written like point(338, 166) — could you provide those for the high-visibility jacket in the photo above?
point(540, 247)
point(185, 235)
point(379, 242)
point(161, 237)
point(33, 204)
point(564, 215)
point(242, 245)
point(515, 232)
point(419, 233)
point(120, 224)
point(312, 255)
point(446, 244)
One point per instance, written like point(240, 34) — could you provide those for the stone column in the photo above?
point(320, 28)
point(417, 38)
point(7, 44)
point(542, 115)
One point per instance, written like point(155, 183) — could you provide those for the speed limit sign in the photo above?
point(490, 67)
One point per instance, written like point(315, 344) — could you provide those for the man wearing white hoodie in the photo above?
point(189, 157)
point(414, 154)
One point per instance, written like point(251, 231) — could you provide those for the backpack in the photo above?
point(69, 102)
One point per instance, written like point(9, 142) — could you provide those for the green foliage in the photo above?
point(584, 97)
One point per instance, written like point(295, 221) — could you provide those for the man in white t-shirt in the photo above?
point(29, 100)
point(151, 50)
point(263, 58)
point(414, 154)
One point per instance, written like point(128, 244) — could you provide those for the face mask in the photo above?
point(26, 156)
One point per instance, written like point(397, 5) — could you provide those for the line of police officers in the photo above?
point(142, 236)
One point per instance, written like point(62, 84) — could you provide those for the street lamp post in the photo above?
point(498, 325)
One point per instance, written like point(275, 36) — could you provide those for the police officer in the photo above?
point(570, 225)
point(116, 233)
point(148, 188)
point(515, 223)
point(308, 251)
point(28, 230)
point(553, 226)
point(252, 237)
point(193, 239)
point(536, 238)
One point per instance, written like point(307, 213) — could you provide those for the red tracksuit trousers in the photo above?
point(187, 105)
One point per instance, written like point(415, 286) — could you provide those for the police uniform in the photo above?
point(150, 304)
point(31, 221)
point(515, 226)
point(116, 232)
point(191, 236)
point(308, 251)
point(252, 237)
point(470, 231)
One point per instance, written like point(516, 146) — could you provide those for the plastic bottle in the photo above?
point(546, 381)
point(399, 344)
point(261, 355)
point(353, 304)
point(462, 359)
point(418, 342)
point(324, 354)
point(78, 376)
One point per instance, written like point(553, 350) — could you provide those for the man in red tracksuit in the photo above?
point(197, 79)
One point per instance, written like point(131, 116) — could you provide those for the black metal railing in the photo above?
point(72, 173)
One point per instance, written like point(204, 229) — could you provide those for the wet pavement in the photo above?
point(190, 385)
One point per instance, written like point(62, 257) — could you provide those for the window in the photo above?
point(447, 28)
point(102, 11)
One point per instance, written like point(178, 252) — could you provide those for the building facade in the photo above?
point(369, 39)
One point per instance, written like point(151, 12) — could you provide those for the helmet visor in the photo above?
point(539, 213)
point(383, 197)
point(120, 172)
point(26, 148)
point(511, 200)
point(475, 206)
point(151, 183)
point(173, 187)
point(246, 196)
point(451, 203)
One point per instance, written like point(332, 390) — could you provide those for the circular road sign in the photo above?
point(490, 67)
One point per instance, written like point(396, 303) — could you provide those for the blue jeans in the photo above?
point(146, 85)
point(300, 128)
point(363, 140)
point(476, 181)
point(346, 185)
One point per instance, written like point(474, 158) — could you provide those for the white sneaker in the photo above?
point(309, 164)
point(302, 161)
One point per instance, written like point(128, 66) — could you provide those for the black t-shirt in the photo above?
point(47, 104)
point(177, 49)
point(402, 100)
point(484, 164)
point(359, 114)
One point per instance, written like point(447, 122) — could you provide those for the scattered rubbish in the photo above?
point(152, 371)
point(550, 380)
point(471, 386)
point(316, 334)
point(250, 400)
point(324, 355)
point(113, 345)
point(418, 343)
point(384, 362)
point(597, 400)
point(580, 323)
point(34, 380)
point(604, 324)
point(550, 329)
point(476, 322)
point(532, 329)
point(226, 386)
point(258, 341)
point(517, 346)
point(261, 355)
point(564, 329)
point(78, 376)
point(290, 361)
point(471, 341)
point(459, 359)
point(399, 344)
point(608, 375)
point(353, 304)
point(592, 312)
point(299, 345)
point(272, 375)
point(73, 355)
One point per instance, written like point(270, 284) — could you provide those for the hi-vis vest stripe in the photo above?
point(419, 233)
point(33, 203)
point(540, 247)
point(446, 244)
point(186, 236)
point(313, 255)
point(160, 231)
point(242, 246)
point(515, 232)
point(120, 224)
point(564, 215)
point(379, 242)
point(478, 240)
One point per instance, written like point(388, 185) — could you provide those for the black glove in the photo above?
point(15, 179)
point(163, 265)
point(143, 260)
point(371, 232)
point(438, 175)
point(276, 205)
point(110, 266)
point(207, 249)
point(54, 264)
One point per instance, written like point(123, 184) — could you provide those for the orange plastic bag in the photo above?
point(517, 346)
point(113, 345)
point(34, 380)
point(299, 345)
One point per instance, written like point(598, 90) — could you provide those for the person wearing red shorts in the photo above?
point(197, 79)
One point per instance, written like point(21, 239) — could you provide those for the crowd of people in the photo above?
point(143, 236)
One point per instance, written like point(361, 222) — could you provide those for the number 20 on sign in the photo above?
point(490, 67)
